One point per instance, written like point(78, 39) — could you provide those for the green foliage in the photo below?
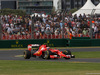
point(73, 10)
point(12, 11)
point(53, 10)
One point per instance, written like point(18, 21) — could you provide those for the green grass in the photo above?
point(8, 67)
point(94, 54)
point(47, 68)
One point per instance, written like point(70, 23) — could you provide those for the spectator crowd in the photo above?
point(48, 26)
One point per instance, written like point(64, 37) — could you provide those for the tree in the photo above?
point(53, 10)
point(73, 10)
point(8, 11)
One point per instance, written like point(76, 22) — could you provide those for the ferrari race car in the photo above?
point(46, 52)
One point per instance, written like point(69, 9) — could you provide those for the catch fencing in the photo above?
point(55, 25)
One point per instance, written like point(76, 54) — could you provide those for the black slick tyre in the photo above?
point(47, 54)
point(27, 54)
point(67, 52)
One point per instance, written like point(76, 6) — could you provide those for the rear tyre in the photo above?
point(27, 54)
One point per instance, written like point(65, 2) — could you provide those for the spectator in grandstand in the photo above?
point(47, 31)
point(42, 29)
point(49, 25)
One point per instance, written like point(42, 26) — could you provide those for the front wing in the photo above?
point(56, 56)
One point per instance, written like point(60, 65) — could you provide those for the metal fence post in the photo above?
point(63, 23)
point(91, 31)
point(32, 26)
point(0, 29)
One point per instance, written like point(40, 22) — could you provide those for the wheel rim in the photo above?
point(46, 55)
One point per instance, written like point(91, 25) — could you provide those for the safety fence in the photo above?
point(97, 36)
point(44, 36)
point(57, 25)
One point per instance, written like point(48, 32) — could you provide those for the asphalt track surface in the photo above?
point(17, 55)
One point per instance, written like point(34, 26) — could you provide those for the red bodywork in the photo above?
point(44, 48)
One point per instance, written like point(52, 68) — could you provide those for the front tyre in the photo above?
point(67, 52)
point(46, 55)
point(27, 54)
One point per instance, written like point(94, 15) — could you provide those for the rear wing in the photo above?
point(32, 45)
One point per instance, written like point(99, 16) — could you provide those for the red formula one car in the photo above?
point(46, 52)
